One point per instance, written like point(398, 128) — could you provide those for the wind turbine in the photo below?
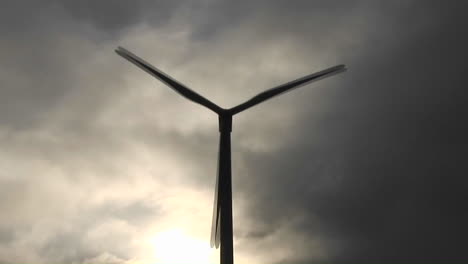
point(221, 229)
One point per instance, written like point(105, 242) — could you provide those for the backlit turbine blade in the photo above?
point(172, 83)
point(216, 220)
point(263, 96)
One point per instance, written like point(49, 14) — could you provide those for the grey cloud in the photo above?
point(109, 16)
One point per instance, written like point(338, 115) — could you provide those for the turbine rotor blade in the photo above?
point(263, 96)
point(216, 220)
point(169, 81)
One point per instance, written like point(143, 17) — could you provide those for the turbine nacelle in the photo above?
point(225, 121)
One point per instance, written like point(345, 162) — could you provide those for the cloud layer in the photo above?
point(97, 157)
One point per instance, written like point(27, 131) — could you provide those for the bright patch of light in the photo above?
point(175, 247)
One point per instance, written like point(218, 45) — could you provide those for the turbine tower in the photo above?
point(221, 229)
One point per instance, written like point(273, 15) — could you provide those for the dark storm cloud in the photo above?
point(382, 179)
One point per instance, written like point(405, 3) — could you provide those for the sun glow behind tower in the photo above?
point(174, 246)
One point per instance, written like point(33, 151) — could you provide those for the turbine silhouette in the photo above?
point(221, 229)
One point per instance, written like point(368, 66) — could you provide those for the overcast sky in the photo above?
point(98, 159)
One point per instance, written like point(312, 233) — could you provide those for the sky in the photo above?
point(101, 163)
